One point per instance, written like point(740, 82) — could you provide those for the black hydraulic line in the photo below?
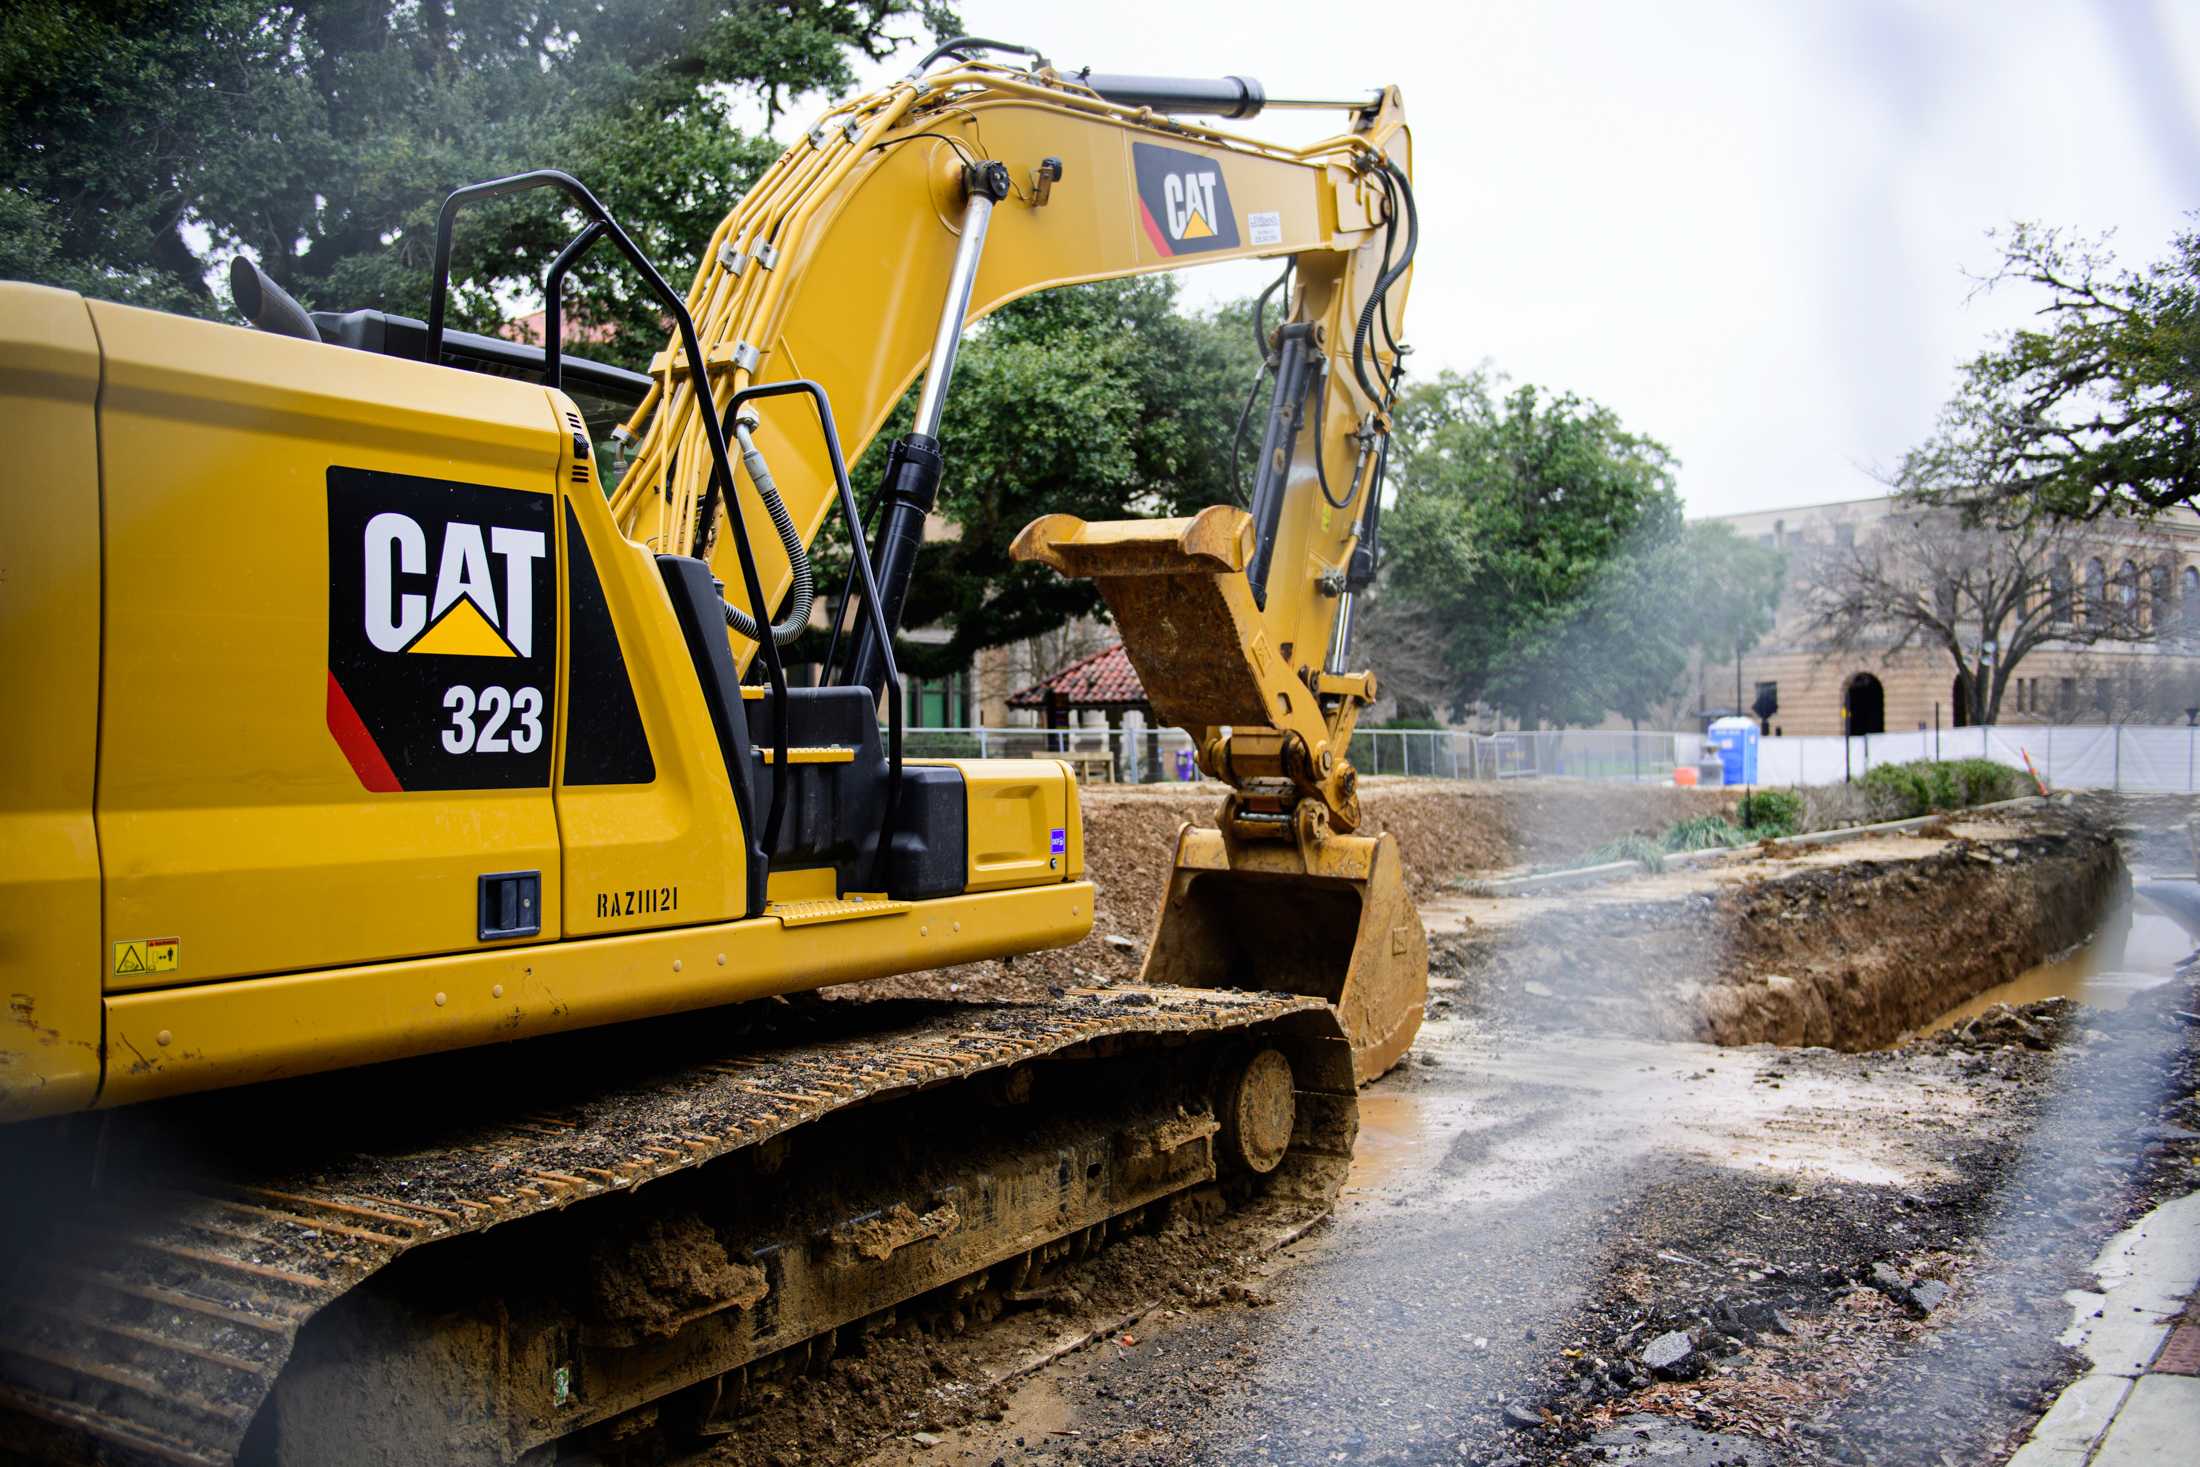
point(691, 343)
point(1260, 309)
point(1320, 384)
point(1237, 434)
point(1383, 284)
point(1390, 251)
point(868, 530)
point(960, 46)
point(1260, 374)
point(1360, 570)
point(859, 567)
point(801, 589)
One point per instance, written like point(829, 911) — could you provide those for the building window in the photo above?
point(2158, 588)
point(1766, 541)
point(2066, 694)
point(2058, 584)
point(2127, 590)
point(939, 702)
point(2189, 584)
point(1844, 536)
point(2096, 589)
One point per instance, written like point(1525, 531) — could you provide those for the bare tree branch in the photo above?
point(1987, 596)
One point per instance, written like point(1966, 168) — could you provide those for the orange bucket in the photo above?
point(1684, 774)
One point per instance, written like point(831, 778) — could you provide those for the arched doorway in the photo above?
point(1866, 704)
point(1959, 698)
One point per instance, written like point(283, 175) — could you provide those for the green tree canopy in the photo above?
point(2094, 411)
point(143, 140)
point(1104, 401)
point(1546, 540)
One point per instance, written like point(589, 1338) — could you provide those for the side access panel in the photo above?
point(50, 953)
point(329, 688)
point(1024, 825)
point(652, 831)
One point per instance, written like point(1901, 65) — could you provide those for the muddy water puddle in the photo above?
point(2137, 947)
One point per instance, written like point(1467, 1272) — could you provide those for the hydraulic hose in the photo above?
point(801, 593)
point(1389, 278)
point(1260, 373)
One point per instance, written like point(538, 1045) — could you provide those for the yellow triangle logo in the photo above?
point(463, 632)
point(131, 959)
point(1196, 228)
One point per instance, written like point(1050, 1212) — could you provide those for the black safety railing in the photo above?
point(859, 569)
point(601, 225)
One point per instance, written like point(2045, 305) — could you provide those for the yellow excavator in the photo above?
point(365, 724)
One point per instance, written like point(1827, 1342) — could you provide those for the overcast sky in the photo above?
point(1743, 226)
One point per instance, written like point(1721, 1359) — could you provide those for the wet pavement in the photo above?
point(1499, 1176)
point(1489, 1175)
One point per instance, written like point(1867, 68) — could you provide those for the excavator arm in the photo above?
point(859, 260)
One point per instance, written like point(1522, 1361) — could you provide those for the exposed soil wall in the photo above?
point(1849, 955)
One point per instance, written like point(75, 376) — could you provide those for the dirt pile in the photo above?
point(1446, 829)
point(1850, 954)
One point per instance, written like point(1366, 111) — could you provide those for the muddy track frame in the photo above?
point(200, 1297)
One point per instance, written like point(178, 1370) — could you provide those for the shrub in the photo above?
point(1638, 848)
point(1925, 785)
point(1773, 813)
point(1702, 833)
point(1983, 781)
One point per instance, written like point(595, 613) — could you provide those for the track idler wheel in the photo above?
point(1326, 916)
point(1258, 1105)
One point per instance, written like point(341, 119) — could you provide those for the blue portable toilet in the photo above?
point(1734, 739)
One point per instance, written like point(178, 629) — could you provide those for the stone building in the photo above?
point(1819, 691)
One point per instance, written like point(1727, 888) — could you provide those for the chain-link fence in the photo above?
point(2131, 757)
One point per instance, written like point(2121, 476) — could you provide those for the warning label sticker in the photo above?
point(148, 955)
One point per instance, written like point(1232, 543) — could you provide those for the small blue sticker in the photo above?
point(1060, 845)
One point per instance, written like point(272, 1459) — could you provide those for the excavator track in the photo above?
point(475, 1258)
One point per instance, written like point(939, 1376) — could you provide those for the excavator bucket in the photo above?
point(1269, 902)
point(1331, 920)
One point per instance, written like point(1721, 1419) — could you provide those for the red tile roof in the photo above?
point(1105, 679)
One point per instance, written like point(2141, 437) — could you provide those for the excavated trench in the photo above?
point(1848, 947)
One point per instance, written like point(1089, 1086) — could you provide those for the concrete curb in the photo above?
point(1543, 881)
point(2130, 1408)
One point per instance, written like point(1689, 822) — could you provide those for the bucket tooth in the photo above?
point(1329, 919)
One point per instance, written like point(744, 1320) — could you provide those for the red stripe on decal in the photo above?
point(1153, 230)
point(358, 745)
